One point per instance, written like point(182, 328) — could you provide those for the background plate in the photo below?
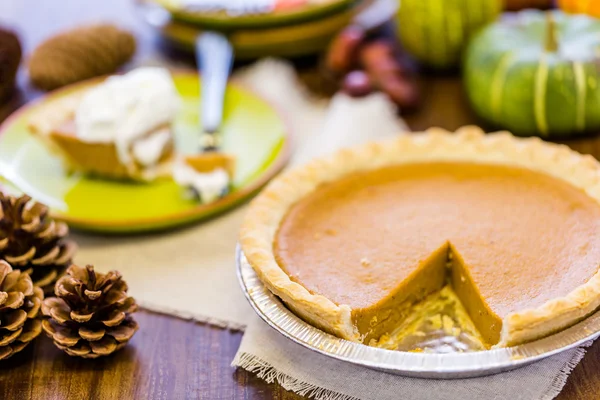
point(420, 365)
point(253, 131)
point(223, 21)
point(287, 41)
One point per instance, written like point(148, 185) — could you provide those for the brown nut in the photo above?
point(388, 74)
point(378, 58)
point(402, 92)
point(343, 49)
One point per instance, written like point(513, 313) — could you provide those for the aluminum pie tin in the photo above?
point(420, 365)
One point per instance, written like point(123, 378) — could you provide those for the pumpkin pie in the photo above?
point(118, 129)
point(352, 242)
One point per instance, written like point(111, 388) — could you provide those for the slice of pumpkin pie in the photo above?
point(119, 128)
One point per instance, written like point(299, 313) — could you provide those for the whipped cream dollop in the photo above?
point(148, 150)
point(127, 107)
point(209, 185)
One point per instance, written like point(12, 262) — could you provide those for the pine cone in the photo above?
point(89, 317)
point(10, 57)
point(20, 304)
point(79, 54)
point(31, 240)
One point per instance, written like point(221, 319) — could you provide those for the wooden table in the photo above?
point(171, 358)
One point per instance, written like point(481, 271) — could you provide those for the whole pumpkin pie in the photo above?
point(352, 242)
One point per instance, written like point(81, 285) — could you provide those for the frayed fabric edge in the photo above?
point(560, 381)
point(270, 374)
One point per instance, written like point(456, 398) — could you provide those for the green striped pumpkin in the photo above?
point(435, 32)
point(537, 74)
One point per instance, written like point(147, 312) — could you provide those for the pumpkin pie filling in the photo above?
point(102, 158)
point(505, 238)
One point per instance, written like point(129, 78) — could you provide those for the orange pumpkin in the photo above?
point(590, 7)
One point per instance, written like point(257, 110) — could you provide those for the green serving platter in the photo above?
point(253, 131)
point(286, 41)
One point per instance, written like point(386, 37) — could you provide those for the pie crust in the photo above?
point(468, 144)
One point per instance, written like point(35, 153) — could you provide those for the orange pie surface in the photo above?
point(506, 238)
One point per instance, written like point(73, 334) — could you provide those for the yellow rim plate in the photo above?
point(253, 131)
point(293, 40)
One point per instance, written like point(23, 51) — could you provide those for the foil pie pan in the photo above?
point(420, 365)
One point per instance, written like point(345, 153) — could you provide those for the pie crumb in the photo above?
point(436, 321)
point(365, 262)
point(447, 324)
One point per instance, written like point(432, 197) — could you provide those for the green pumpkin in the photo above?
point(436, 32)
point(537, 73)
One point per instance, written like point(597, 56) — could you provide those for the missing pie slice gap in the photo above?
point(437, 309)
point(438, 324)
point(439, 292)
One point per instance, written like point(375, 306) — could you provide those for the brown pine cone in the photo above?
point(20, 303)
point(32, 241)
point(90, 315)
point(79, 54)
point(10, 58)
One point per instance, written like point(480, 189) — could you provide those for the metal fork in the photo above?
point(214, 56)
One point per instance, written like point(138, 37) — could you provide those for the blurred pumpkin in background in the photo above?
point(537, 73)
point(590, 7)
point(436, 32)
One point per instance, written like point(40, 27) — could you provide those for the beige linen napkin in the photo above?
point(190, 272)
point(274, 358)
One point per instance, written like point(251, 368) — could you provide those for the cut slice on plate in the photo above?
point(253, 132)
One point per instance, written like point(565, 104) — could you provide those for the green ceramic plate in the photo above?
point(286, 41)
point(253, 131)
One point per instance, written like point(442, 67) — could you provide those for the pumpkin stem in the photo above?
point(551, 37)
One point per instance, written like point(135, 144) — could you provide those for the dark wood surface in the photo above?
point(171, 358)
